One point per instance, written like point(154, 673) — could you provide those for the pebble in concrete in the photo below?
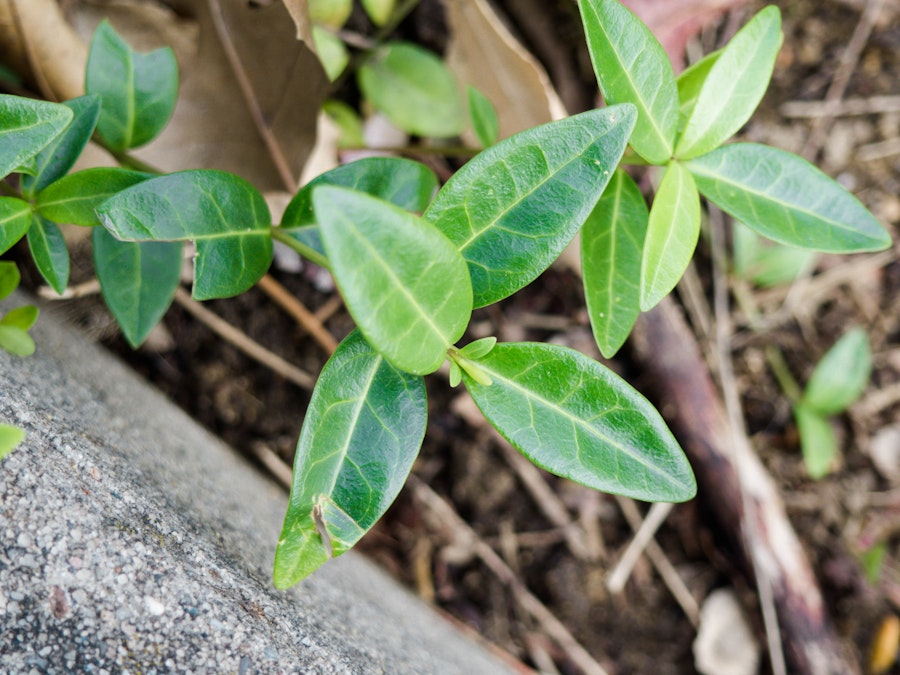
point(133, 541)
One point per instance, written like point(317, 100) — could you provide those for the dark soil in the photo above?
point(642, 630)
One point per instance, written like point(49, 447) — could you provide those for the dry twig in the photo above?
point(292, 305)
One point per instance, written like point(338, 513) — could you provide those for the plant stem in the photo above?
point(278, 234)
point(782, 372)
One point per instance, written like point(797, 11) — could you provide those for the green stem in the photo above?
point(278, 234)
point(782, 372)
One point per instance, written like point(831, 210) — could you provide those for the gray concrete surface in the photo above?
point(133, 541)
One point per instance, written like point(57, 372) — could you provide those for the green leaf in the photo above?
point(138, 90)
point(573, 417)
point(407, 184)
point(361, 434)
point(404, 283)
point(414, 89)
point(403, 182)
point(138, 281)
point(9, 278)
point(333, 13)
point(379, 11)
point(689, 84)
point(225, 215)
point(817, 441)
point(632, 67)
point(15, 219)
point(348, 121)
point(55, 160)
point(16, 341)
point(26, 127)
point(22, 318)
point(484, 118)
point(734, 86)
point(73, 199)
point(478, 348)
point(787, 199)
point(873, 561)
point(841, 376)
point(48, 248)
point(10, 437)
point(766, 263)
point(332, 52)
point(672, 235)
point(513, 209)
point(611, 244)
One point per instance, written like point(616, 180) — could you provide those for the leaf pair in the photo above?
point(14, 325)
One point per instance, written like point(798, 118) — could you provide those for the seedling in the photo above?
point(411, 281)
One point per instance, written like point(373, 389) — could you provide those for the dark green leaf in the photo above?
point(16, 341)
point(74, 198)
point(632, 67)
point(841, 376)
point(514, 208)
point(404, 282)
point(9, 278)
point(817, 441)
point(55, 160)
point(10, 437)
point(573, 417)
point(48, 248)
point(138, 281)
point(224, 214)
point(672, 235)
point(138, 90)
point(414, 89)
point(403, 182)
point(787, 199)
point(15, 219)
point(22, 318)
point(26, 127)
point(361, 434)
point(484, 118)
point(611, 243)
point(734, 85)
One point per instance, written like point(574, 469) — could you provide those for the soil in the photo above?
point(642, 629)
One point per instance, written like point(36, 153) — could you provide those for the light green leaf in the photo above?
point(332, 52)
point(513, 209)
point(612, 242)
point(690, 82)
point(573, 417)
point(138, 91)
point(16, 341)
point(379, 11)
point(138, 281)
point(361, 434)
point(672, 235)
point(841, 376)
point(15, 219)
point(10, 437)
point(26, 127)
point(73, 199)
point(817, 441)
point(404, 282)
point(766, 263)
point(348, 121)
point(224, 214)
point(55, 160)
point(414, 89)
point(48, 248)
point(632, 67)
point(478, 348)
point(484, 118)
point(787, 199)
point(332, 13)
point(9, 278)
point(734, 86)
point(22, 318)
